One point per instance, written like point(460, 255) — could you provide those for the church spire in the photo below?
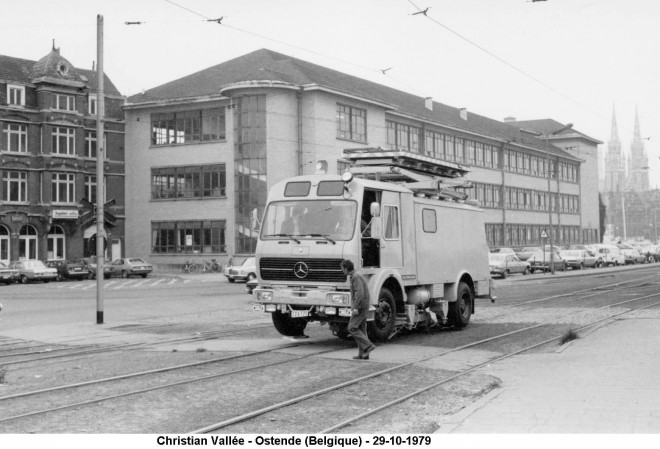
point(614, 134)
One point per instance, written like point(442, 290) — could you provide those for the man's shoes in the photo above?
point(367, 351)
point(359, 357)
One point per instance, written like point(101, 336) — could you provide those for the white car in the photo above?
point(247, 271)
point(33, 270)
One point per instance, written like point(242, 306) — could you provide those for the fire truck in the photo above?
point(403, 220)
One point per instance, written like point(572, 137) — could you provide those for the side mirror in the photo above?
point(374, 209)
point(376, 227)
point(254, 220)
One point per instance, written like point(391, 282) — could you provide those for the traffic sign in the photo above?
point(544, 235)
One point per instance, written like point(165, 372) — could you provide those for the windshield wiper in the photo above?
point(323, 236)
point(283, 235)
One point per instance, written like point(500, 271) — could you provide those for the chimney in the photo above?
point(509, 119)
point(463, 113)
point(428, 103)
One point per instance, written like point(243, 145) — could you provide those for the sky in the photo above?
point(574, 61)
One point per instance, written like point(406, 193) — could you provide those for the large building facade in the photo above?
point(203, 150)
point(48, 159)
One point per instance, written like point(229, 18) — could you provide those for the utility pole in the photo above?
point(100, 159)
point(549, 174)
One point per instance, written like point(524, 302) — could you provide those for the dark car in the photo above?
point(8, 275)
point(68, 269)
point(130, 266)
point(90, 264)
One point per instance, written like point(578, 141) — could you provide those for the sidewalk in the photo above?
point(607, 381)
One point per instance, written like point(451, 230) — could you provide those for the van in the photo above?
point(610, 254)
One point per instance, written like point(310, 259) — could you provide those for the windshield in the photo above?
point(575, 253)
point(34, 264)
point(496, 258)
point(334, 219)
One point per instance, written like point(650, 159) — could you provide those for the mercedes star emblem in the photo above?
point(301, 270)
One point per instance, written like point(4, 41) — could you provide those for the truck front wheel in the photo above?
point(460, 310)
point(287, 326)
point(385, 317)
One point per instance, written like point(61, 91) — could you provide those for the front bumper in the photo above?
point(320, 304)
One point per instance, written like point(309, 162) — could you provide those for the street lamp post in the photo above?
point(549, 175)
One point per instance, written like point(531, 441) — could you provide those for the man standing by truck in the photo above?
point(357, 326)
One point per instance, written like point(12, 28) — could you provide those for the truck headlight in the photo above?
point(264, 295)
point(337, 298)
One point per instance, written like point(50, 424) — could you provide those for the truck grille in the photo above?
point(301, 270)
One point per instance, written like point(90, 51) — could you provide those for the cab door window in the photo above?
point(391, 216)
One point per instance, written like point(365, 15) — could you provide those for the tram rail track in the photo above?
point(270, 408)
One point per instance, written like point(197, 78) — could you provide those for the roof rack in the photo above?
point(422, 174)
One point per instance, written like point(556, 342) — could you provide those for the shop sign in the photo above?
point(61, 214)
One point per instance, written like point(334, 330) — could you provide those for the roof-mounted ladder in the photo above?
point(421, 174)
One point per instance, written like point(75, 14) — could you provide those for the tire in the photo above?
point(215, 267)
point(505, 273)
point(527, 271)
point(340, 330)
point(144, 276)
point(287, 326)
point(24, 279)
point(382, 326)
point(124, 274)
point(232, 280)
point(460, 311)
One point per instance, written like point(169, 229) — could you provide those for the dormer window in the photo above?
point(15, 95)
point(64, 102)
point(63, 68)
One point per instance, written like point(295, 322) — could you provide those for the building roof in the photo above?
point(267, 65)
point(25, 71)
point(547, 126)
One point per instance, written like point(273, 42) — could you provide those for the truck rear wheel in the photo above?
point(287, 326)
point(385, 317)
point(460, 310)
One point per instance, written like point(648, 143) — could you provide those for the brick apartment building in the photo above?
point(48, 159)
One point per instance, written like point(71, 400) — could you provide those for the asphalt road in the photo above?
point(155, 299)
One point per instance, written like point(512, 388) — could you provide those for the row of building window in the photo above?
point(528, 164)
point(188, 126)
point(60, 102)
point(490, 196)
point(196, 181)
point(63, 140)
point(190, 237)
point(516, 235)
point(28, 243)
point(352, 125)
point(63, 187)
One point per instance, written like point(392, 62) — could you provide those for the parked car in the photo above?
point(8, 275)
point(502, 251)
point(90, 264)
point(631, 254)
point(578, 259)
point(611, 254)
point(505, 264)
point(33, 270)
point(529, 251)
point(127, 267)
point(545, 261)
point(68, 270)
point(247, 271)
